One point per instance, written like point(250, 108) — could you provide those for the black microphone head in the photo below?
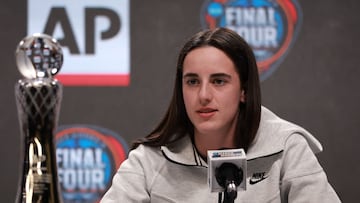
point(227, 173)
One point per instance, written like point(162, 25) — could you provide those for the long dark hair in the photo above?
point(176, 123)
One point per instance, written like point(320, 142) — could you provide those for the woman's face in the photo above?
point(211, 90)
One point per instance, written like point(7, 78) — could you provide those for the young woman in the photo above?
point(215, 105)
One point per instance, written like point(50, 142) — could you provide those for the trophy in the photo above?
point(38, 96)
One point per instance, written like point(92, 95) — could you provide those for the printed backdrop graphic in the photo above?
point(94, 36)
point(87, 157)
point(269, 26)
point(314, 86)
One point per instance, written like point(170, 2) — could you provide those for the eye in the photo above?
point(192, 81)
point(219, 81)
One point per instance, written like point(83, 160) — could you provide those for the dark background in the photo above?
point(316, 86)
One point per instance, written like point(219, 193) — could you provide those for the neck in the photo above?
point(205, 142)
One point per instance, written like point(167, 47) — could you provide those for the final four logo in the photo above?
point(87, 158)
point(269, 26)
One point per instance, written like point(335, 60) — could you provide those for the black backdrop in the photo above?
point(316, 85)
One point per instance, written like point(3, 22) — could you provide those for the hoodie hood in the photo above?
point(273, 133)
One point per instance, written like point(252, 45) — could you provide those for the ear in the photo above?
point(242, 96)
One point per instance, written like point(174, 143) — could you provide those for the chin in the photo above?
point(206, 129)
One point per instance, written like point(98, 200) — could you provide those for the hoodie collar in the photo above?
point(183, 152)
point(270, 139)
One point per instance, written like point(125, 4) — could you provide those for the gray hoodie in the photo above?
point(281, 167)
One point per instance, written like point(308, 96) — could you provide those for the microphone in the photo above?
point(227, 170)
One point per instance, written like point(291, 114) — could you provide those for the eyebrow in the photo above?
point(214, 75)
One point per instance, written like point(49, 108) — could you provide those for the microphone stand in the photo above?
point(230, 193)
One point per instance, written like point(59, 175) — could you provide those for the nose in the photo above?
point(205, 94)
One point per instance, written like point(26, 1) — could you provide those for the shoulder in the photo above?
point(144, 157)
point(274, 132)
point(143, 150)
point(135, 176)
point(302, 177)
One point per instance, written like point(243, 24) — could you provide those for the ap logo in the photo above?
point(94, 36)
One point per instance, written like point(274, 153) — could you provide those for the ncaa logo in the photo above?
point(269, 26)
point(94, 36)
point(87, 158)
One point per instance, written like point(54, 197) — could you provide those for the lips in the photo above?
point(206, 112)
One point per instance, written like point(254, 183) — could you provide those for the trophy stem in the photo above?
point(38, 103)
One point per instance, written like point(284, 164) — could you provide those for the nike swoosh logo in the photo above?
point(256, 180)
